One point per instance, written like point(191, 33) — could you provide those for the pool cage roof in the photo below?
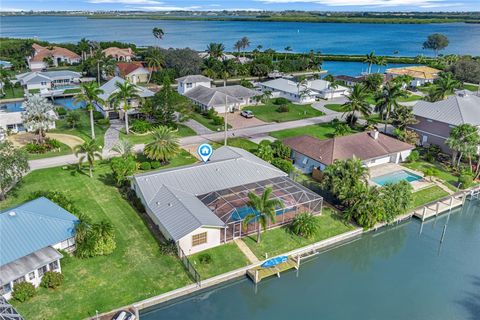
point(230, 204)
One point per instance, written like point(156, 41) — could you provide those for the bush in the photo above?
point(67, 258)
point(145, 165)
point(23, 291)
point(141, 126)
point(414, 156)
point(304, 225)
point(465, 181)
point(280, 101)
point(97, 115)
point(282, 164)
point(217, 121)
point(35, 148)
point(210, 113)
point(283, 108)
point(205, 258)
point(351, 119)
point(103, 122)
point(155, 164)
point(280, 150)
point(52, 279)
point(61, 111)
point(55, 196)
point(169, 248)
point(53, 143)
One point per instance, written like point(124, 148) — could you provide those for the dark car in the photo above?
point(247, 114)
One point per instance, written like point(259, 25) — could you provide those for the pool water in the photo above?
point(396, 177)
point(242, 212)
point(11, 106)
point(67, 103)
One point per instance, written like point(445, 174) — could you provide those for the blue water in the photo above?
point(11, 106)
point(5, 64)
point(340, 38)
point(67, 103)
point(395, 177)
point(355, 68)
point(244, 211)
point(400, 273)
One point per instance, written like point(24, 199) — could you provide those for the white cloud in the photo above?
point(153, 2)
point(368, 3)
point(10, 9)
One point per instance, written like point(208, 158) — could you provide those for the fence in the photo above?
point(189, 266)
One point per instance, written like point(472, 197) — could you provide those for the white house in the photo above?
point(31, 235)
point(420, 74)
point(188, 83)
point(135, 72)
point(58, 56)
point(49, 80)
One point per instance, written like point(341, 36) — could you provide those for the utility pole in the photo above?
point(98, 72)
point(225, 120)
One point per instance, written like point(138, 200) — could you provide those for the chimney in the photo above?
point(374, 134)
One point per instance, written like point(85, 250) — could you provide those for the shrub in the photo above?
point(430, 172)
point(283, 108)
point(465, 181)
point(145, 165)
point(53, 143)
point(55, 196)
point(141, 126)
point(52, 279)
point(169, 248)
point(23, 291)
point(351, 119)
point(304, 224)
point(282, 164)
point(61, 111)
point(205, 258)
point(217, 121)
point(67, 258)
point(281, 150)
point(103, 121)
point(280, 101)
point(35, 148)
point(123, 167)
point(414, 156)
point(210, 113)
point(341, 129)
point(97, 115)
point(155, 164)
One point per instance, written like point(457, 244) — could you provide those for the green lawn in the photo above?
point(239, 143)
point(280, 240)
point(182, 159)
point(135, 271)
point(410, 98)
point(64, 149)
point(320, 131)
point(225, 258)
point(335, 107)
point(449, 179)
point(428, 195)
point(82, 130)
point(18, 92)
point(268, 112)
point(183, 131)
point(206, 122)
point(470, 87)
point(72, 91)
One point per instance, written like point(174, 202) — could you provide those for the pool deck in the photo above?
point(387, 168)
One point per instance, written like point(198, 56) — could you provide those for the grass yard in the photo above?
point(280, 240)
point(206, 122)
point(428, 195)
point(470, 87)
point(320, 131)
point(224, 258)
point(82, 130)
point(410, 98)
point(182, 159)
point(268, 112)
point(135, 271)
point(335, 107)
point(72, 91)
point(239, 143)
point(449, 179)
point(17, 92)
point(183, 131)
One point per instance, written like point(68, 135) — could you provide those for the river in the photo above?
point(403, 272)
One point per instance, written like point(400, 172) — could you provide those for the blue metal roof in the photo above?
point(32, 226)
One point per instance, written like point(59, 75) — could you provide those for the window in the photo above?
point(189, 85)
point(53, 265)
point(198, 239)
point(41, 271)
point(5, 289)
point(19, 280)
point(31, 275)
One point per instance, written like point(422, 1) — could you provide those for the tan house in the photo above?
point(135, 71)
point(420, 74)
point(58, 55)
point(120, 54)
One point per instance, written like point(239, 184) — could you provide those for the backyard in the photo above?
point(427, 195)
point(320, 131)
point(82, 129)
point(13, 93)
point(269, 112)
point(440, 171)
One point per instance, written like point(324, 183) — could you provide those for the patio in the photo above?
point(392, 168)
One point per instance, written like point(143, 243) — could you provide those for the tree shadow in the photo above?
point(471, 301)
point(107, 179)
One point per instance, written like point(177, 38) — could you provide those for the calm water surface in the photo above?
point(339, 38)
point(399, 273)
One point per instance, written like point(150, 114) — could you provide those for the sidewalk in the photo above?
point(246, 250)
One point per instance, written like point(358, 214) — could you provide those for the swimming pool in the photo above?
point(11, 106)
point(67, 103)
point(242, 212)
point(396, 177)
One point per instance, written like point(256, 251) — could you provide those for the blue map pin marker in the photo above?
point(205, 151)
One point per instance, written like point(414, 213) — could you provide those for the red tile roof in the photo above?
point(42, 52)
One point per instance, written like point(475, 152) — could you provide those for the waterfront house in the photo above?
point(305, 92)
point(188, 83)
point(31, 235)
point(135, 72)
point(119, 54)
point(203, 205)
point(420, 74)
point(112, 111)
point(373, 148)
point(57, 55)
point(437, 119)
point(226, 56)
point(49, 80)
point(349, 81)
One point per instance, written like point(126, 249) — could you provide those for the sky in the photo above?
point(210, 5)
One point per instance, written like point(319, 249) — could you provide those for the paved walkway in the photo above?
point(112, 135)
point(320, 105)
point(197, 127)
point(246, 251)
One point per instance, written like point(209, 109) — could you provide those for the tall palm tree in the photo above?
point(238, 46)
point(264, 210)
point(381, 62)
point(90, 95)
point(90, 150)
point(287, 50)
point(357, 102)
point(387, 100)
point(165, 145)
point(216, 50)
point(445, 85)
point(370, 59)
point(83, 46)
point(155, 62)
point(245, 44)
point(125, 91)
point(105, 64)
point(158, 33)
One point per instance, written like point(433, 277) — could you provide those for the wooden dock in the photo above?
point(257, 274)
point(434, 209)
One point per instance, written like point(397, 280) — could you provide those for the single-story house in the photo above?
point(188, 83)
point(372, 148)
point(109, 110)
point(226, 56)
point(119, 54)
point(135, 72)
point(420, 74)
point(349, 80)
point(302, 93)
point(49, 79)
point(12, 122)
point(31, 235)
point(203, 205)
point(58, 55)
point(437, 119)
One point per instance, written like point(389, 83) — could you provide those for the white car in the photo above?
point(247, 114)
point(124, 315)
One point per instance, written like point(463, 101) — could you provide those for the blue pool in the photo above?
point(67, 103)
point(395, 177)
point(11, 106)
point(242, 212)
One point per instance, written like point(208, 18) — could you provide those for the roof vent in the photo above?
point(157, 203)
point(374, 134)
point(12, 213)
point(170, 204)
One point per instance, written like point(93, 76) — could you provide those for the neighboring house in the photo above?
point(420, 74)
point(225, 56)
point(12, 122)
point(349, 80)
point(306, 92)
point(372, 148)
point(201, 206)
point(437, 119)
point(49, 79)
point(58, 55)
point(109, 110)
point(135, 72)
point(31, 235)
point(198, 89)
point(119, 54)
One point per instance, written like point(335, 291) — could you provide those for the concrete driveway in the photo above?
point(238, 122)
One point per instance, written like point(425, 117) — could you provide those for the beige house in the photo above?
point(135, 72)
point(119, 54)
point(58, 55)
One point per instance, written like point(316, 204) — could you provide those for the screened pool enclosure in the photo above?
point(231, 204)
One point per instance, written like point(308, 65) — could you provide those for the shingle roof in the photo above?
point(361, 145)
point(32, 226)
point(193, 78)
point(110, 87)
point(461, 108)
point(210, 97)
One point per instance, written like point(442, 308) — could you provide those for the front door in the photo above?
point(237, 230)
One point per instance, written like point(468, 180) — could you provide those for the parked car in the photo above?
point(124, 315)
point(247, 114)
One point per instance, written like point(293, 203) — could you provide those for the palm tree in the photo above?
point(125, 92)
point(90, 94)
point(357, 102)
point(238, 46)
point(371, 59)
point(387, 100)
point(245, 44)
point(264, 210)
point(287, 49)
point(105, 64)
point(124, 147)
point(89, 150)
point(155, 62)
point(158, 33)
point(83, 46)
point(216, 50)
point(165, 145)
point(445, 85)
point(463, 140)
point(381, 62)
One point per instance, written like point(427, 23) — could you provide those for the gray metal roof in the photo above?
point(210, 97)
point(110, 87)
point(461, 108)
point(29, 263)
point(37, 77)
point(193, 78)
point(229, 167)
point(238, 91)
